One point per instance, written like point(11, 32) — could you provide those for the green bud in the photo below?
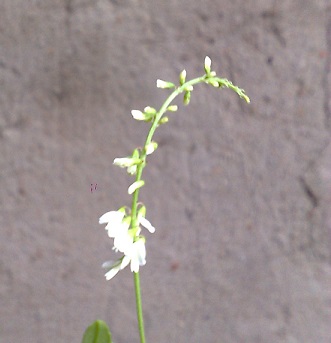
point(214, 83)
point(187, 98)
point(172, 108)
point(164, 84)
point(150, 110)
point(163, 120)
point(182, 77)
point(246, 98)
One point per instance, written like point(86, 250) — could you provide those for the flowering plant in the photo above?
point(124, 226)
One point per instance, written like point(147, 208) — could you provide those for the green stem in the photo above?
point(135, 195)
point(149, 137)
point(139, 308)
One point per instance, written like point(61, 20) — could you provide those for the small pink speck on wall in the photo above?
point(93, 187)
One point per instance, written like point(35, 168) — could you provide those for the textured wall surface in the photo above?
point(240, 194)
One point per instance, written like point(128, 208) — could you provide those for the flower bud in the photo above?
point(214, 83)
point(187, 97)
point(163, 120)
point(150, 148)
point(125, 162)
point(246, 98)
point(172, 108)
point(207, 65)
point(164, 84)
point(182, 77)
point(132, 170)
point(150, 110)
point(138, 115)
point(136, 185)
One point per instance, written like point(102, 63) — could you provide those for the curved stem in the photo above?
point(149, 137)
point(135, 195)
point(216, 82)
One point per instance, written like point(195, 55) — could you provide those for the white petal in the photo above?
point(107, 264)
point(111, 216)
point(135, 186)
point(150, 148)
point(138, 115)
point(207, 63)
point(115, 229)
point(123, 242)
point(161, 83)
point(134, 266)
point(140, 252)
point(146, 224)
point(109, 275)
point(125, 162)
point(132, 170)
point(125, 262)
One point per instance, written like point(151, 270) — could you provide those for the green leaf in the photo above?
point(97, 332)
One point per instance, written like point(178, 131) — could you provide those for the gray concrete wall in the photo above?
point(240, 194)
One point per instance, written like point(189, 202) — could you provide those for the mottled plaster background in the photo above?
point(240, 194)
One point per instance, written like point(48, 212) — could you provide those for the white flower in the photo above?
point(114, 221)
point(136, 256)
point(118, 227)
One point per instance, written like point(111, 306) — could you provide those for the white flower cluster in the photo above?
point(127, 241)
